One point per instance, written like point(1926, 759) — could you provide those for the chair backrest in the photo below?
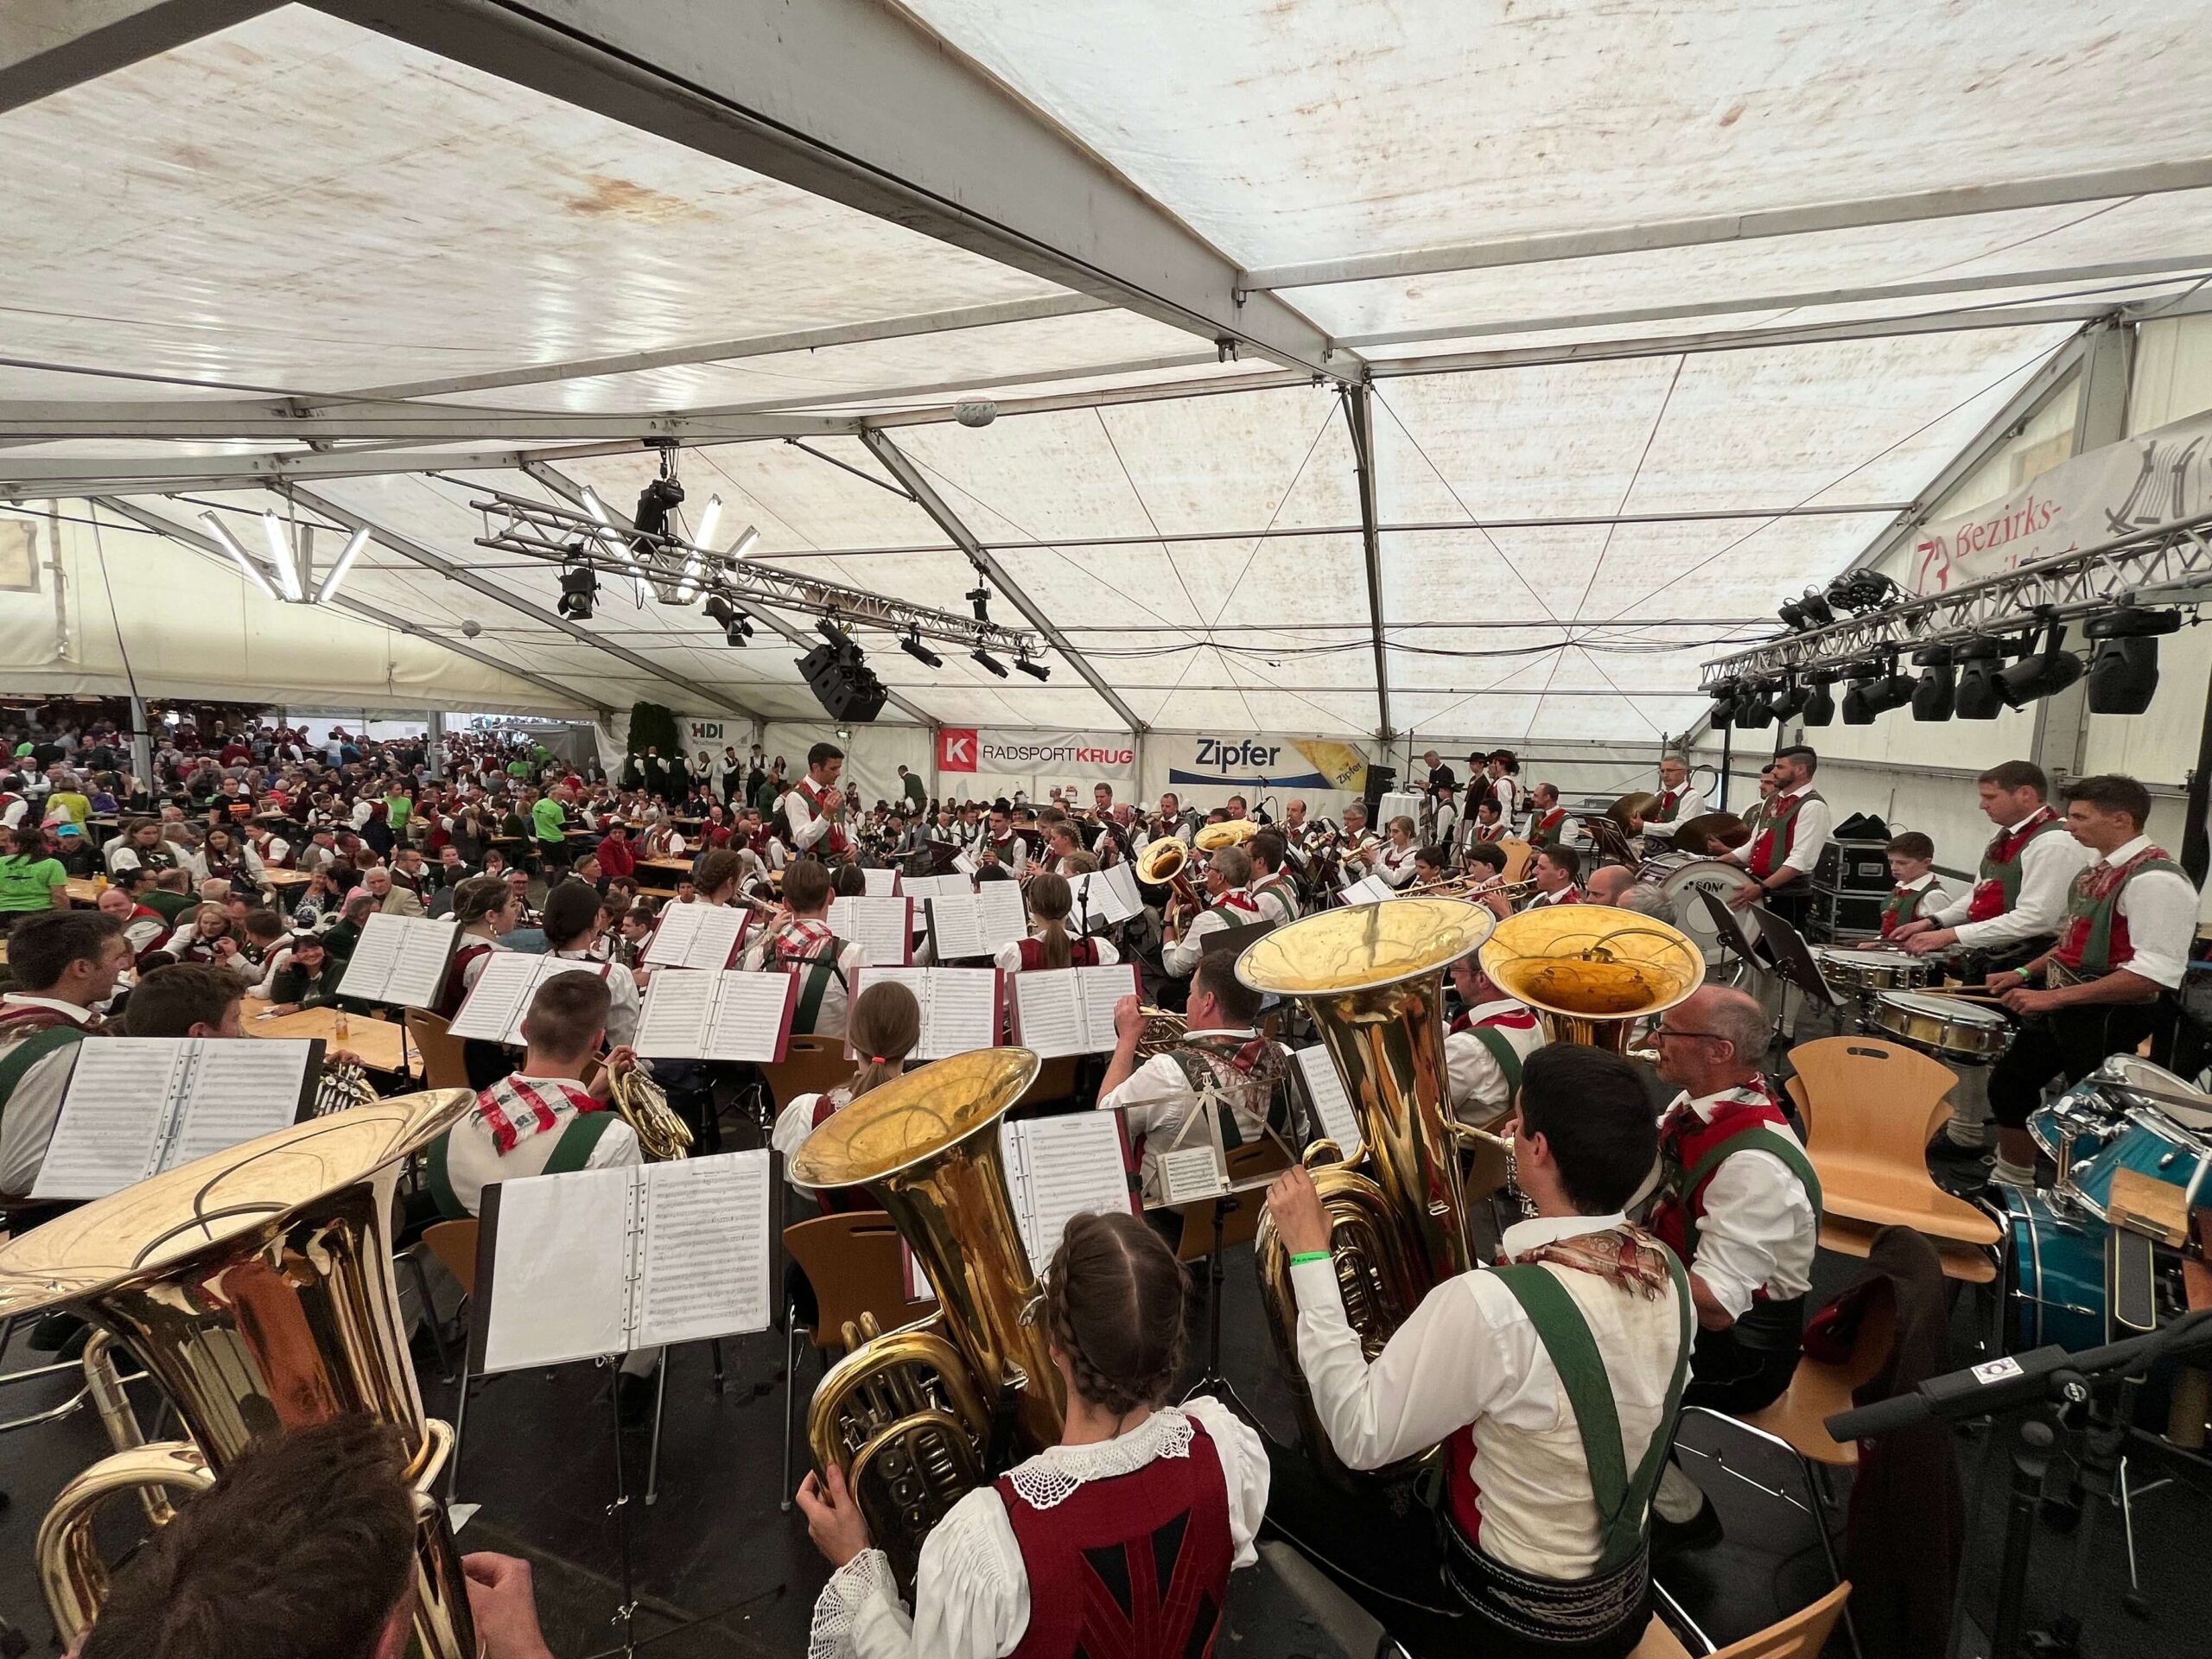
point(812, 1066)
point(1519, 855)
point(454, 1242)
point(1868, 1098)
point(1801, 1636)
point(443, 1064)
point(854, 1264)
point(1055, 1080)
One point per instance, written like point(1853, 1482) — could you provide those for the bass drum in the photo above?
point(1713, 875)
point(2056, 1283)
point(2153, 1146)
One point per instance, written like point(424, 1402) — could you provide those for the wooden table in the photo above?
point(669, 870)
point(380, 1043)
point(281, 879)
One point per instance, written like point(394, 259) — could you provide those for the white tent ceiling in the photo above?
point(1604, 440)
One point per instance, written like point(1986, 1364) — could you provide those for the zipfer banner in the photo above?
point(1091, 757)
point(1250, 761)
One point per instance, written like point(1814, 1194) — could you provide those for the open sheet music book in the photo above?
point(977, 924)
point(1104, 897)
point(1330, 1103)
point(697, 936)
point(921, 887)
point(964, 862)
point(962, 1008)
point(1059, 1166)
point(400, 959)
point(883, 928)
point(1367, 890)
point(720, 1016)
point(137, 1106)
point(603, 1262)
point(1069, 1010)
point(495, 1007)
point(881, 884)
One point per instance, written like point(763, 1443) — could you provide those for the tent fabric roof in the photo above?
point(300, 215)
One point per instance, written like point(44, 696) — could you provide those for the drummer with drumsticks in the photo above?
point(1914, 890)
point(2019, 899)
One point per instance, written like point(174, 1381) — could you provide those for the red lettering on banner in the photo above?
point(956, 748)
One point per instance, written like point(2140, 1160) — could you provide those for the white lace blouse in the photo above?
point(972, 1596)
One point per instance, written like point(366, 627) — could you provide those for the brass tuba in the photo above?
point(1229, 832)
point(1373, 978)
point(1590, 971)
point(908, 1413)
point(255, 1287)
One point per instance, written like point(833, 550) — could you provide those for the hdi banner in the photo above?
point(2150, 479)
point(1090, 756)
point(1253, 760)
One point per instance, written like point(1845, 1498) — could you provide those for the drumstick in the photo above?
point(1962, 994)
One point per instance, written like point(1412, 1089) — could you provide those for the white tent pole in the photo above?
point(142, 744)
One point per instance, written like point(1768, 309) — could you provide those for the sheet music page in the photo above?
point(960, 1013)
point(750, 1014)
point(111, 1118)
point(964, 862)
point(1048, 1009)
point(957, 928)
point(370, 966)
point(881, 884)
point(1193, 1173)
point(919, 887)
point(706, 1253)
point(419, 969)
point(238, 1090)
point(501, 994)
point(673, 1023)
point(1100, 989)
point(1331, 1105)
point(1122, 878)
point(1004, 913)
point(671, 945)
point(1070, 1165)
point(719, 932)
point(560, 1269)
point(1098, 901)
point(879, 926)
point(1367, 890)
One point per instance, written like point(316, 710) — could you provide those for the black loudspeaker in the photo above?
point(844, 685)
point(1381, 781)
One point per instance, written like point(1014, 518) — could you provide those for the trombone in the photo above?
point(1469, 886)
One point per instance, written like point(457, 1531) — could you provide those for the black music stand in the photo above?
point(1234, 939)
point(1731, 930)
point(934, 859)
point(1793, 958)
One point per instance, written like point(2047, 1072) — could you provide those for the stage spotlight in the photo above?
point(912, 646)
point(1792, 612)
point(1035, 671)
point(1788, 700)
point(737, 627)
point(1980, 693)
point(979, 597)
point(1753, 709)
point(988, 661)
point(579, 590)
point(1877, 687)
point(1933, 697)
point(2041, 673)
point(1863, 590)
point(2124, 674)
point(655, 502)
point(1813, 605)
point(1724, 706)
point(1819, 701)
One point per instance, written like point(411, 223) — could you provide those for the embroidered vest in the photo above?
point(1082, 953)
point(1998, 888)
point(1250, 1075)
point(2095, 940)
point(1662, 811)
point(1550, 828)
point(1692, 1149)
point(834, 844)
point(1778, 832)
point(1902, 906)
point(1135, 1566)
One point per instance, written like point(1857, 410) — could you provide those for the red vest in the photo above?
point(1684, 1140)
point(1548, 827)
point(834, 842)
point(2095, 940)
point(846, 1200)
point(1998, 889)
point(1135, 1566)
point(456, 991)
point(1778, 832)
point(1082, 953)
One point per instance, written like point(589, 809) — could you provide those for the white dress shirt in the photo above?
point(834, 1008)
point(622, 986)
point(1809, 833)
point(1395, 864)
point(2160, 909)
point(1690, 803)
point(474, 1161)
point(971, 1589)
point(26, 1125)
point(1469, 1355)
point(1758, 1230)
point(809, 828)
point(1180, 956)
point(1479, 1091)
point(2048, 867)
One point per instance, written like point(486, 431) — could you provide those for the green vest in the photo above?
point(2093, 911)
point(571, 1152)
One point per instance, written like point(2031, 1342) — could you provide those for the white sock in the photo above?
point(1679, 1498)
point(1972, 1135)
point(2013, 1174)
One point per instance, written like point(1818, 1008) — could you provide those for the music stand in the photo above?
point(935, 859)
point(1732, 931)
point(1793, 958)
point(1234, 939)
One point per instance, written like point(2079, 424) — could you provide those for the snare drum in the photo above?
point(2057, 1279)
point(1947, 1027)
point(1862, 972)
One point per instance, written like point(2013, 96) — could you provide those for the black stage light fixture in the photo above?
point(1035, 671)
point(837, 673)
point(1939, 686)
point(1753, 709)
point(1814, 608)
point(2041, 673)
point(1876, 687)
point(988, 661)
point(1723, 715)
point(2124, 673)
point(579, 590)
point(1819, 701)
point(1788, 700)
point(737, 627)
point(912, 646)
point(1863, 590)
point(1980, 693)
point(979, 598)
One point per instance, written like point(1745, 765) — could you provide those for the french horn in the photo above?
point(663, 1135)
point(255, 1287)
point(907, 1415)
point(1590, 971)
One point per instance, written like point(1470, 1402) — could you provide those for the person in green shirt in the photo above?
point(68, 801)
point(517, 768)
point(398, 809)
point(550, 824)
point(31, 879)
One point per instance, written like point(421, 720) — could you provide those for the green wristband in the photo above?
point(2025, 974)
point(1310, 1255)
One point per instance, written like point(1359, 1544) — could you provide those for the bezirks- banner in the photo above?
point(1090, 756)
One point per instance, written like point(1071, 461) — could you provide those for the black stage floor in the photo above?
point(717, 1548)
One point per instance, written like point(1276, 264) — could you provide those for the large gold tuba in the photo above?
point(1373, 978)
point(908, 1414)
point(255, 1287)
point(1590, 971)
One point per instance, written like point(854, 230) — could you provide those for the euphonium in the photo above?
point(1166, 861)
point(1372, 976)
point(1231, 832)
point(1590, 971)
point(255, 1287)
point(908, 1414)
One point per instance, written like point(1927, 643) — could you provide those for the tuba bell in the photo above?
point(1372, 976)
point(1231, 832)
point(908, 1415)
point(1590, 971)
point(1166, 861)
point(255, 1287)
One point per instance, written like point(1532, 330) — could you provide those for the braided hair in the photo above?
point(1114, 1307)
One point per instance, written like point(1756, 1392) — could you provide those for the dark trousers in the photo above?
point(1747, 1366)
point(2066, 1044)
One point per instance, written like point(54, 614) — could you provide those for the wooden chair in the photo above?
point(1873, 1106)
point(1801, 1636)
point(1055, 1080)
point(453, 1243)
point(443, 1066)
point(1519, 855)
point(856, 1266)
point(811, 1065)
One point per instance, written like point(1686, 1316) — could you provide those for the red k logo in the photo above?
point(956, 748)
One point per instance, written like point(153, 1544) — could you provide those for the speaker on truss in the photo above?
point(841, 681)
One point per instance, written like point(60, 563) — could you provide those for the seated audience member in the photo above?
point(66, 963)
point(171, 893)
point(31, 879)
point(309, 978)
point(885, 1025)
point(304, 1548)
point(343, 935)
point(144, 928)
point(390, 895)
point(1012, 1566)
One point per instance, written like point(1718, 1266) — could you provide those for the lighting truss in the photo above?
point(2169, 563)
point(683, 572)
